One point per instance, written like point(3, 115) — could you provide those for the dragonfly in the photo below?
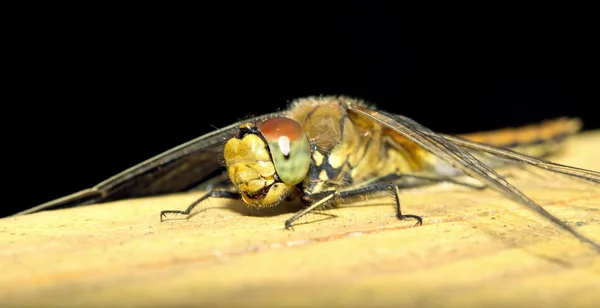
point(330, 150)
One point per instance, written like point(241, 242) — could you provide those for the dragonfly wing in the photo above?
point(178, 169)
point(590, 175)
point(458, 157)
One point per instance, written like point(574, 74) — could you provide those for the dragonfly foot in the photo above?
point(415, 217)
point(163, 213)
point(288, 225)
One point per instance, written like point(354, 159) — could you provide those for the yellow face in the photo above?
point(266, 161)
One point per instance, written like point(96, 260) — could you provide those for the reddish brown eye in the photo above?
point(289, 148)
point(274, 128)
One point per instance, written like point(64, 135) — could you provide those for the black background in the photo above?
point(95, 93)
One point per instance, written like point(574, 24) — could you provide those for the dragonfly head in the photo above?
point(265, 161)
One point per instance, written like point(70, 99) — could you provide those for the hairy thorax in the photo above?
point(346, 148)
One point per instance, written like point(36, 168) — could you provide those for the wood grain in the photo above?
point(475, 248)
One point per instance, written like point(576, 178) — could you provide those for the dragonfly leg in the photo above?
point(211, 194)
point(374, 188)
point(383, 187)
point(322, 197)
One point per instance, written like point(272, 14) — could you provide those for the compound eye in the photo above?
point(289, 148)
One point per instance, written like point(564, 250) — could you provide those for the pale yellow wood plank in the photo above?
point(475, 248)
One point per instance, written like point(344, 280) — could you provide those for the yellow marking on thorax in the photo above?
point(318, 157)
point(323, 175)
point(369, 165)
point(350, 139)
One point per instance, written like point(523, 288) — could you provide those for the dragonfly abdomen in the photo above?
point(537, 140)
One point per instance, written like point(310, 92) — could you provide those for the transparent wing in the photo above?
point(179, 169)
point(458, 157)
point(586, 174)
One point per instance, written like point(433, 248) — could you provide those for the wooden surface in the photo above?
point(475, 248)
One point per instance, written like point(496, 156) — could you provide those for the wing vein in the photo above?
point(460, 158)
